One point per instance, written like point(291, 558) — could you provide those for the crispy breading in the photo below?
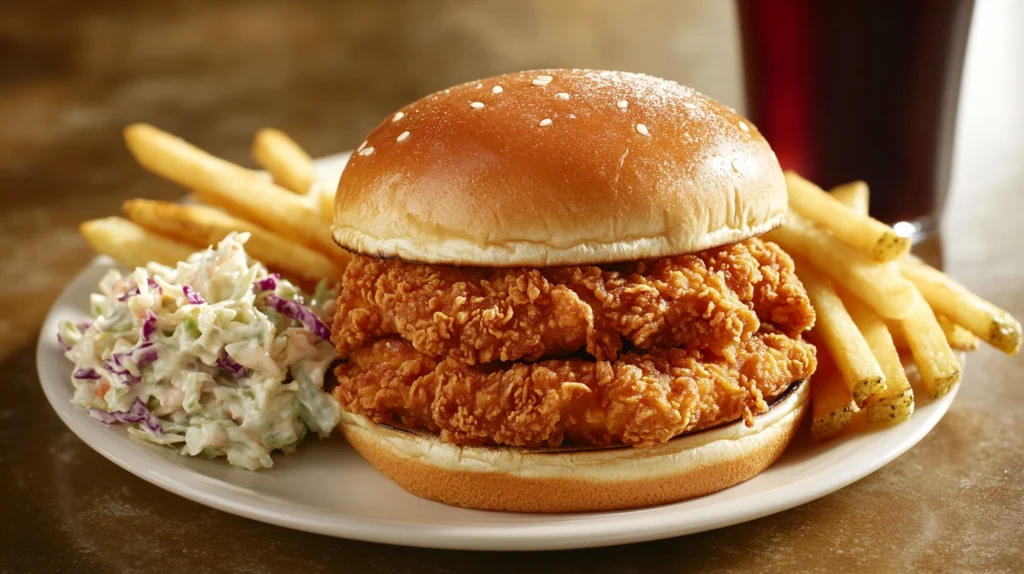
point(711, 301)
point(642, 398)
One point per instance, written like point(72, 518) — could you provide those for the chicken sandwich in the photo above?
point(559, 300)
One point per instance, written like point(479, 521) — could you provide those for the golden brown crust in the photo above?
point(710, 300)
point(521, 480)
point(493, 184)
point(639, 400)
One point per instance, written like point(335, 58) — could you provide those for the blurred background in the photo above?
point(73, 74)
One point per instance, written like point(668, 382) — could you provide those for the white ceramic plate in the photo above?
point(327, 488)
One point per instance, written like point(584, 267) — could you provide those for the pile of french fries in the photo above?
point(873, 302)
point(288, 214)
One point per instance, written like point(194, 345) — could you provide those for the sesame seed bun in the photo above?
point(558, 167)
point(563, 480)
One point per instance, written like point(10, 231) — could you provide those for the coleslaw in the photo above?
point(215, 357)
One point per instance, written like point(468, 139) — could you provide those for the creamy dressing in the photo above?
point(215, 357)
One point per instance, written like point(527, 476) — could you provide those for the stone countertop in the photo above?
point(326, 72)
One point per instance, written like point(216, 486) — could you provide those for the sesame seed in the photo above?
point(402, 136)
point(398, 116)
point(361, 146)
point(545, 122)
point(572, 116)
point(562, 96)
point(743, 126)
point(367, 151)
point(497, 89)
point(642, 129)
point(478, 86)
point(476, 105)
point(621, 104)
point(689, 106)
point(542, 80)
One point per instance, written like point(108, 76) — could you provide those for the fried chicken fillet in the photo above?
point(631, 354)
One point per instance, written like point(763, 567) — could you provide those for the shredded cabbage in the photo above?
point(214, 357)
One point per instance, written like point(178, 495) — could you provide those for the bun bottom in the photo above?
point(579, 480)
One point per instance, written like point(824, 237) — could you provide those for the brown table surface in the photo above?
point(71, 77)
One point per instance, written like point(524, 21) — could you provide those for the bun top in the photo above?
point(558, 167)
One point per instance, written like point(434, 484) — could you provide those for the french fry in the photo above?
point(832, 408)
point(939, 368)
point(898, 339)
point(290, 165)
point(993, 325)
point(840, 335)
point(327, 204)
point(896, 402)
point(959, 339)
point(878, 285)
point(201, 226)
point(130, 244)
point(240, 191)
point(854, 195)
point(863, 233)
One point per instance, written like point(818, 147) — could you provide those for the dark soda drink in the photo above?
point(860, 89)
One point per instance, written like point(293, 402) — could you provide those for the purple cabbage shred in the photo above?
point(113, 364)
point(300, 313)
point(137, 413)
point(143, 354)
point(230, 366)
point(191, 296)
point(268, 283)
point(148, 326)
point(86, 373)
point(147, 356)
